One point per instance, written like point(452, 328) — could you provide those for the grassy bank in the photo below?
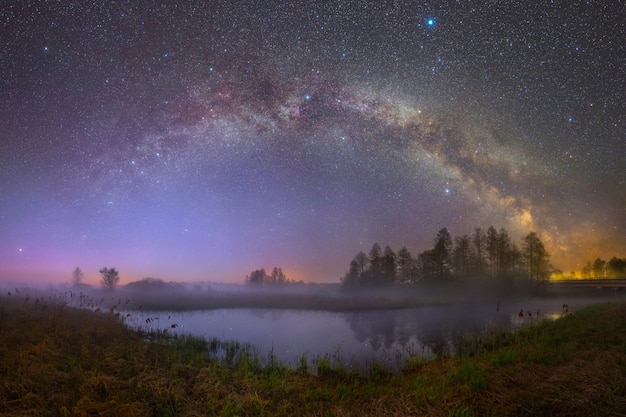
point(55, 360)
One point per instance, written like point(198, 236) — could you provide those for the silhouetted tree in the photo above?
point(389, 266)
point(357, 271)
point(406, 267)
point(478, 251)
point(616, 267)
point(352, 276)
point(109, 278)
point(441, 253)
point(427, 266)
point(491, 245)
point(461, 256)
point(586, 271)
point(375, 272)
point(536, 257)
point(257, 277)
point(362, 262)
point(508, 255)
point(599, 268)
point(77, 276)
point(278, 277)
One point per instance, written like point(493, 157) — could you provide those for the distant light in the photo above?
point(307, 97)
point(447, 191)
point(430, 22)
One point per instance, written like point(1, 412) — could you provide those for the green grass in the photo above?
point(60, 361)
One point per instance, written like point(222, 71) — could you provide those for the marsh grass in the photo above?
point(62, 361)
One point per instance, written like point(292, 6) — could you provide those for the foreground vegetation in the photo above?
point(56, 360)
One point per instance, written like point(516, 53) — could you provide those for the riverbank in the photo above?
point(56, 360)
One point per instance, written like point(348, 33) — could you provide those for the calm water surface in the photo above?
point(357, 338)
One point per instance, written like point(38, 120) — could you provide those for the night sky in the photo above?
point(199, 140)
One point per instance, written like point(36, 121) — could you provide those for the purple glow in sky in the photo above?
point(201, 140)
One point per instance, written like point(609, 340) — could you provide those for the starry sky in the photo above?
point(199, 140)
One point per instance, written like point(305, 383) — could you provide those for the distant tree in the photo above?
point(362, 262)
point(586, 271)
point(426, 266)
point(491, 246)
point(461, 256)
point(478, 251)
point(599, 268)
point(375, 272)
point(441, 253)
point(406, 266)
point(508, 255)
point(77, 276)
point(536, 257)
point(356, 272)
point(352, 276)
point(515, 261)
point(109, 278)
point(273, 278)
point(257, 277)
point(389, 266)
point(616, 267)
point(278, 277)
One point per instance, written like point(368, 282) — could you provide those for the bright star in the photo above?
point(430, 22)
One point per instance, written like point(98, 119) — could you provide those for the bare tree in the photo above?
point(109, 278)
point(77, 276)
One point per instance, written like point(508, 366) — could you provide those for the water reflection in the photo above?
point(356, 338)
point(425, 331)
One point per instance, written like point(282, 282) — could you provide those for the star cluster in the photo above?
point(200, 140)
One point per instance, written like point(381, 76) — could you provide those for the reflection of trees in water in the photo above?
point(438, 330)
point(378, 328)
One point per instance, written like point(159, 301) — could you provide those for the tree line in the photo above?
point(109, 277)
point(599, 269)
point(484, 254)
point(260, 277)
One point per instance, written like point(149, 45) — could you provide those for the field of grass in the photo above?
point(60, 361)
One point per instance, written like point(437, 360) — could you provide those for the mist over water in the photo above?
point(361, 337)
point(352, 330)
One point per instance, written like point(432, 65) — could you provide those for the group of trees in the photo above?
point(484, 254)
point(614, 268)
point(109, 277)
point(260, 277)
